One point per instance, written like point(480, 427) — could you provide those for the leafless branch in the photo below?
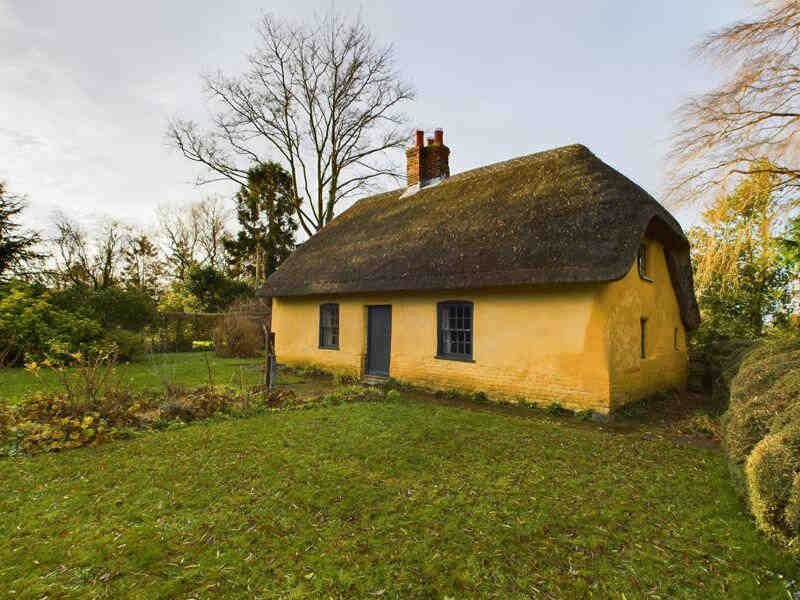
point(754, 115)
point(324, 97)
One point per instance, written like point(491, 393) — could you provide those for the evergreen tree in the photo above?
point(214, 290)
point(264, 210)
point(16, 247)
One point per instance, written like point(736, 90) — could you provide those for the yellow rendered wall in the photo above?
point(627, 301)
point(543, 344)
point(575, 345)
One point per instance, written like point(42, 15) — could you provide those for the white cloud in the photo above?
point(71, 144)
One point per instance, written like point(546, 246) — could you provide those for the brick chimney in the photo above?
point(427, 164)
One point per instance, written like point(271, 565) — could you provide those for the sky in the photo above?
point(87, 86)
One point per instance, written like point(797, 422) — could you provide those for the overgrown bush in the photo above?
point(30, 323)
point(53, 422)
point(238, 336)
point(33, 319)
point(113, 307)
point(761, 434)
point(91, 406)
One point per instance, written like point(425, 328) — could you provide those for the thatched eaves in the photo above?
point(560, 216)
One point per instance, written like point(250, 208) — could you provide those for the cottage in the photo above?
point(549, 277)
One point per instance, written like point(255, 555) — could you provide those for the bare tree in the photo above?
point(325, 97)
point(77, 261)
point(192, 234)
point(180, 233)
point(212, 221)
point(726, 134)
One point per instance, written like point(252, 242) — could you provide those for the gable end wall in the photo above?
point(626, 302)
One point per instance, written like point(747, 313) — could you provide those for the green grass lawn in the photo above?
point(184, 368)
point(388, 500)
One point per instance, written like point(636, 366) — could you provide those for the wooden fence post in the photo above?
point(269, 366)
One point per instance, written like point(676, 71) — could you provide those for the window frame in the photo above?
point(441, 351)
point(642, 262)
point(643, 338)
point(333, 326)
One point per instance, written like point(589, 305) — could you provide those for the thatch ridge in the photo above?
point(559, 216)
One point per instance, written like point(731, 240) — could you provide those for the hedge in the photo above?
point(761, 433)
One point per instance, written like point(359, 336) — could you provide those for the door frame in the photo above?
point(389, 349)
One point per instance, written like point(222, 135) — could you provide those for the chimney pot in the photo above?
point(429, 163)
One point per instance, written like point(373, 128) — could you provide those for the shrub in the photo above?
point(750, 415)
point(766, 385)
point(194, 406)
point(214, 290)
point(33, 319)
point(480, 397)
point(91, 407)
point(130, 346)
point(394, 384)
point(761, 434)
point(585, 415)
point(450, 394)
point(130, 309)
point(237, 336)
point(55, 422)
point(773, 482)
point(556, 409)
point(83, 377)
point(344, 378)
point(30, 323)
point(393, 395)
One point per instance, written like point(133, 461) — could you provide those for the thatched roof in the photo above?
point(560, 216)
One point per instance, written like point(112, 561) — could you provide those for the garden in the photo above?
point(144, 454)
point(183, 476)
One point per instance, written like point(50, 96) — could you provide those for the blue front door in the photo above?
point(379, 339)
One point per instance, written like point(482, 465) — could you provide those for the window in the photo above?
point(641, 261)
point(643, 337)
point(455, 330)
point(329, 326)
